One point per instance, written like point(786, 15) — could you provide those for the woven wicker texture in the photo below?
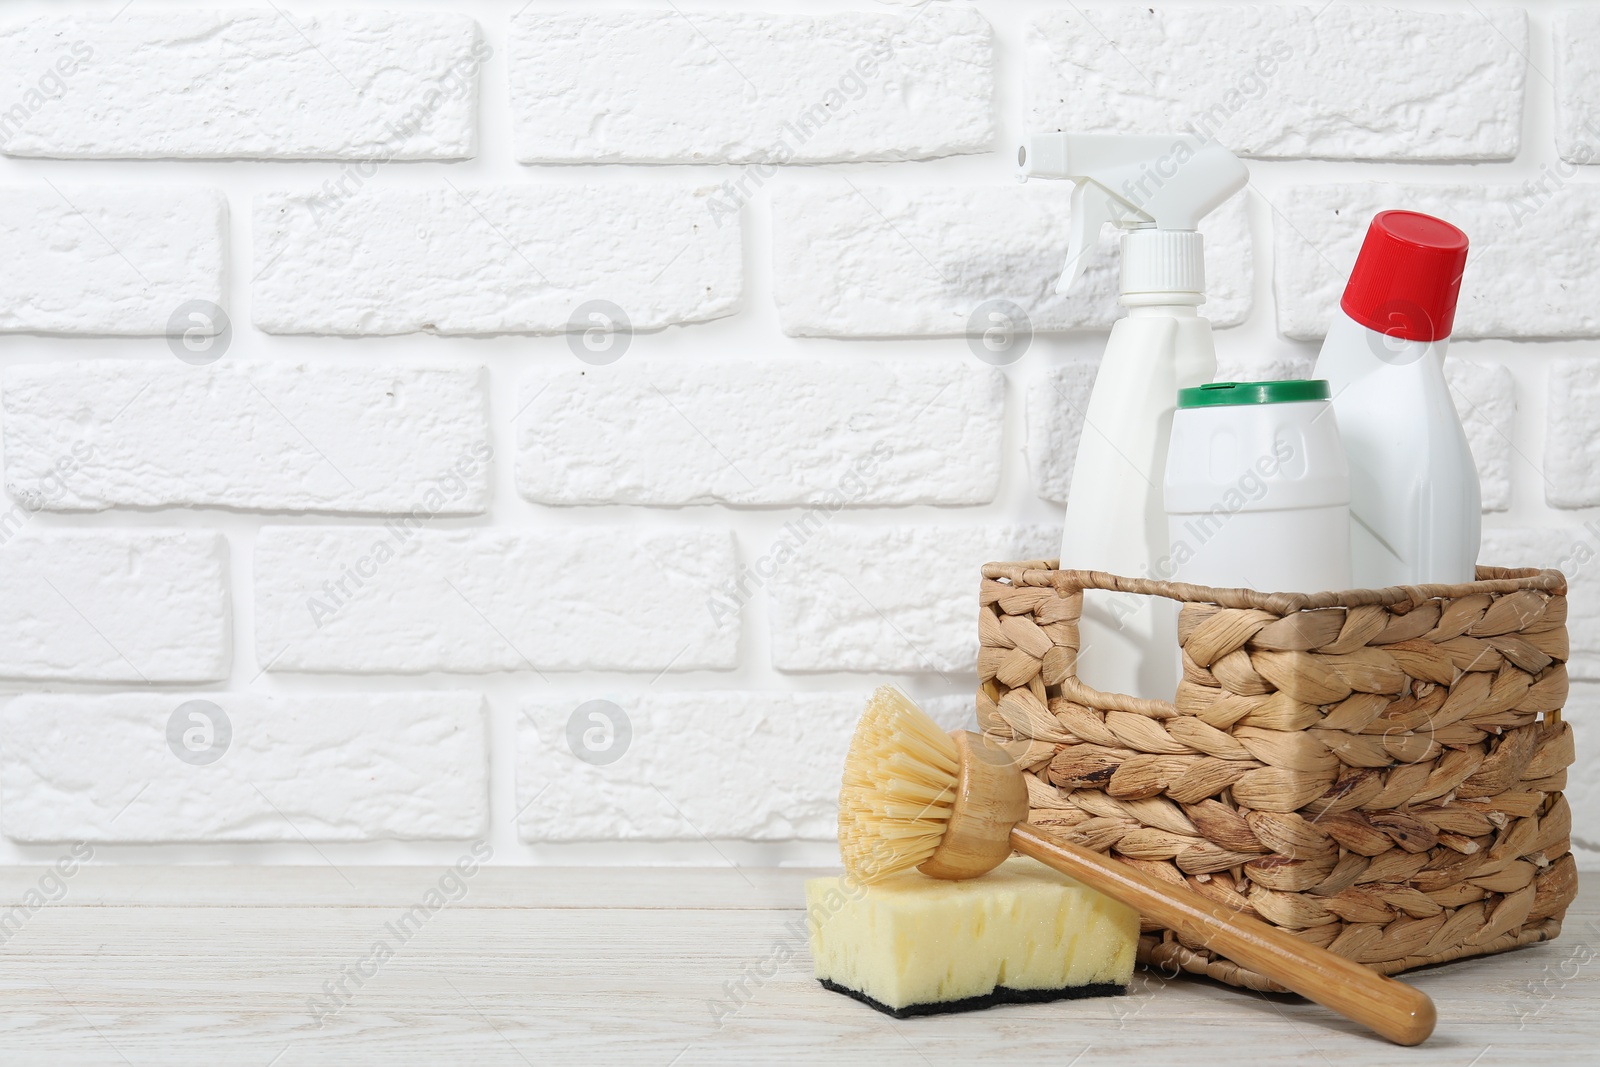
point(1379, 771)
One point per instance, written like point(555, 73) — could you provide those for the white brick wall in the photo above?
point(325, 767)
point(1572, 445)
point(774, 433)
point(1577, 87)
point(1287, 81)
point(111, 605)
point(101, 434)
point(107, 259)
point(1056, 407)
point(402, 598)
point(637, 354)
point(262, 83)
point(507, 260)
point(686, 86)
point(779, 756)
point(1485, 397)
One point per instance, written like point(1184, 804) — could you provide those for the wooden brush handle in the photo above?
point(1397, 1011)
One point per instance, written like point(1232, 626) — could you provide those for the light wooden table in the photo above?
point(218, 965)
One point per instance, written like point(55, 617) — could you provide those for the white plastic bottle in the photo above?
point(1157, 188)
point(1257, 488)
point(1415, 509)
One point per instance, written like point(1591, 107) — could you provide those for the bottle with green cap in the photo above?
point(1257, 489)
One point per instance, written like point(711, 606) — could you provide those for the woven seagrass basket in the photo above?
point(1378, 771)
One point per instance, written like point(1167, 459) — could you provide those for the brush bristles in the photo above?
point(899, 785)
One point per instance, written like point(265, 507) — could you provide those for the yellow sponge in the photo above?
point(914, 945)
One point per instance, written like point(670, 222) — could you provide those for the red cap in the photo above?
point(1407, 277)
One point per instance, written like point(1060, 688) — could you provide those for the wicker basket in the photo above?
point(1379, 771)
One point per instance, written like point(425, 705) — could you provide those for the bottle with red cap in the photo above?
point(1414, 494)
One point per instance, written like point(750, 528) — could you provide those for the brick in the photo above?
point(856, 260)
point(1573, 550)
point(1056, 406)
point(1278, 81)
point(1577, 86)
point(508, 260)
point(1485, 398)
point(898, 598)
point(143, 605)
point(1533, 271)
point(278, 435)
point(749, 87)
point(416, 599)
point(778, 758)
point(254, 84)
point(103, 259)
point(1572, 434)
point(292, 767)
point(771, 433)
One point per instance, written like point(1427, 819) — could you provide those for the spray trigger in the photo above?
point(1142, 183)
point(1089, 213)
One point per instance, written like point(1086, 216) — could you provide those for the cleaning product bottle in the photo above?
point(1156, 189)
point(1414, 493)
point(1258, 489)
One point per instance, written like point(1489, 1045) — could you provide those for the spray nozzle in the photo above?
point(1162, 183)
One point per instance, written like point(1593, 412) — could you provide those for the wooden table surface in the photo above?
point(520, 966)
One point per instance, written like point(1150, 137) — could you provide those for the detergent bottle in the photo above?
point(1156, 189)
point(1415, 507)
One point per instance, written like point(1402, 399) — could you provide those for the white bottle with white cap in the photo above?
point(1157, 189)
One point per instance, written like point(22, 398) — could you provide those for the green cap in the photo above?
point(1217, 394)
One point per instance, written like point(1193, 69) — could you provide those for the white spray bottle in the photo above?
point(1156, 189)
